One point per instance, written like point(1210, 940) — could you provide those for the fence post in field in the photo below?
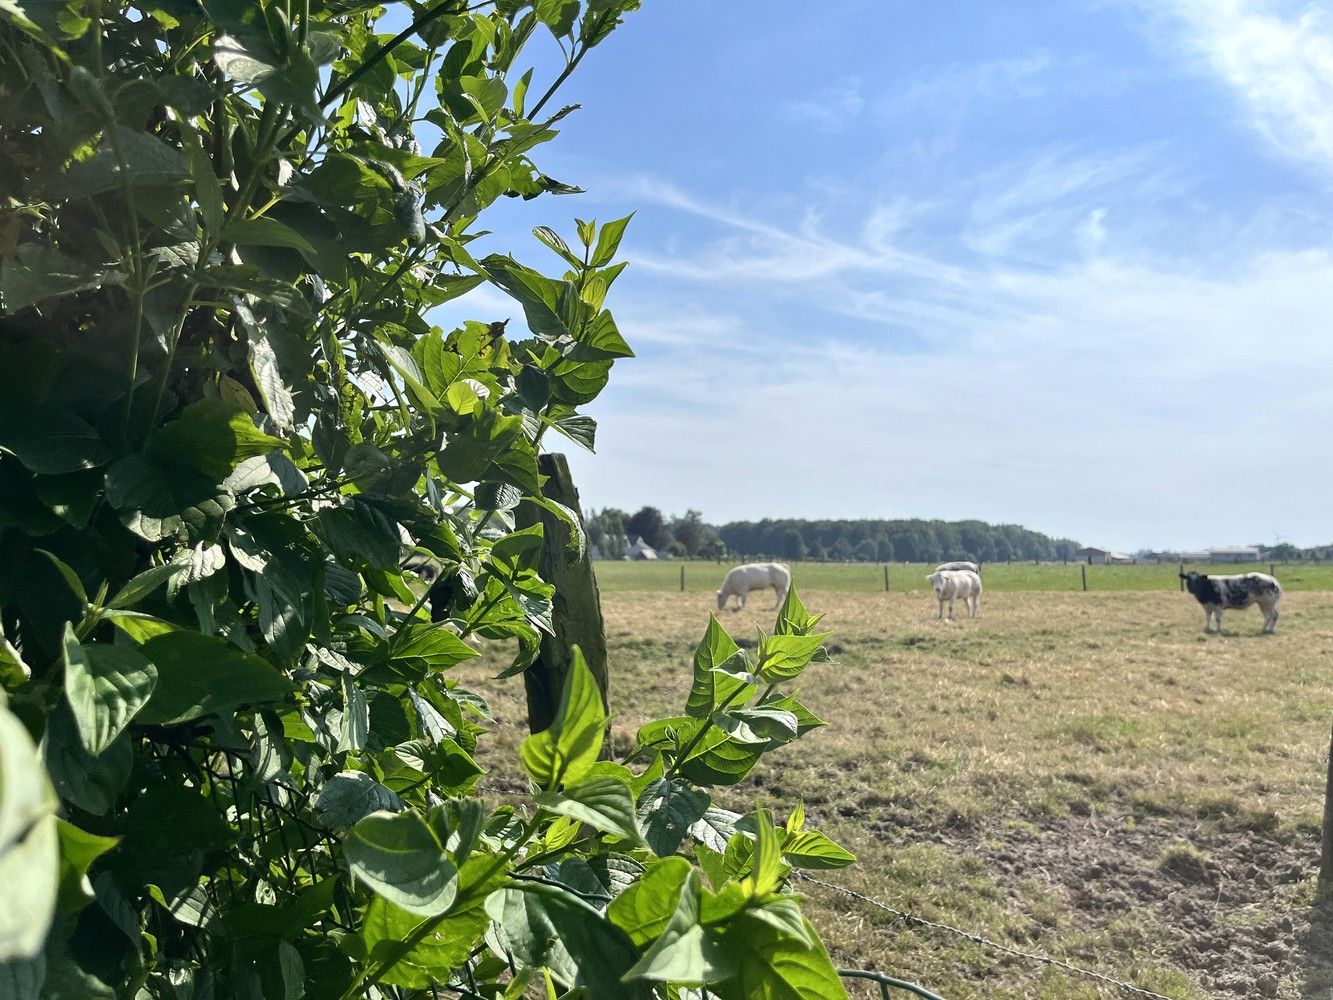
point(682, 578)
point(1324, 887)
point(886, 578)
point(1182, 577)
point(1083, 568)
point(576, 617)
point(1272, 569)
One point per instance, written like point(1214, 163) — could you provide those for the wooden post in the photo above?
point(1084, 569)
point(577, 614)
point(682, 578)
point(1324, 887)
point(886, 578)
point(1182, 577)
point(1272, 570)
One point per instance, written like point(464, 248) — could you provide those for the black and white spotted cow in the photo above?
point(1222, 593)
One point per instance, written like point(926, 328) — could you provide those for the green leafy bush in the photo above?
point(226, 425)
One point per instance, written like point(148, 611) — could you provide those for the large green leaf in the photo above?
point(213, 436)
point(50, 440)
point(667, 810)
point(29, 872)
point(783, 657)
point(250, 58)
point(400, 858)
point(645, 908)
point(41, 272)
point(78, 850)
point(159, 500)
point(564, 753)
point(605, 804)
point(429, 648)
point(106, 686)
point(687, 951)
point(717, 651)
point(773, 965)
point(548, 927)
point(202, 674)
point(91, 783)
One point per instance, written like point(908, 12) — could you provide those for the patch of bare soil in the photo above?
point(1219, 897)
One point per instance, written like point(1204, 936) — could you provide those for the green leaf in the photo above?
point(29, 874)
point(772, 965)
point(430, 648)
point(144, 584)
point(202, 674)
point(345, 798)
point(250, 59)
point(717, 650)
point(686, 952)
point(106, 686)
point(813, 850)
point(605, 804)
point(546, 926)
point(212, 436)
point(13, 671)
point(67, 573)
point(39, 272)
point(128, 156)
point(566, 751)
point(158, 500)
point(266, 232)
point(449, 942)
point(91, 783)
point(608, 241)
point(667, 810)
point(645, 908)
point(50, 440)
point(399, 857)
point(793, 619)
point(78, 850)
point(783, 657)
point(359, 532)
point(538, 295)
point(558, 15)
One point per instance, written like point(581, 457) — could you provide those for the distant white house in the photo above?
point(641, 550)
point(1196, 555)
point(1100, 557)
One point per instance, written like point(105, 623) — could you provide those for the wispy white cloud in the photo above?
point(951, 88)
point(1277, 58)
point(832, 109)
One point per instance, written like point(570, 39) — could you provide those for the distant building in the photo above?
point(641, 550)
point(1100, 557)
point(1196, 555)
point(1234, 553)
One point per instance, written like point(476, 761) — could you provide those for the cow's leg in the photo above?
point(740, 601)
point(952, 598)
point(1217, 614)
point(940, 598)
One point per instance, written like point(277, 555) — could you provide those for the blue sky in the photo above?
point(1065, 264)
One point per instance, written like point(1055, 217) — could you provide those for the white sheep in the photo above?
point(951, 584)
point(754, 576)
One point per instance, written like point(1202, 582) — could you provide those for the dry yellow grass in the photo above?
point(1036, 774)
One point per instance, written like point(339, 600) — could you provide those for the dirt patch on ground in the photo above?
point(1221, 899)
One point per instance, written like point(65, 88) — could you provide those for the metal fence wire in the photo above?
point(912, 920)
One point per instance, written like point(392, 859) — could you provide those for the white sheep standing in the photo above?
point(951, 584)
point(754, 576)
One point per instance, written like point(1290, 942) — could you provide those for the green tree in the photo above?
point(224, 413)
point(649, 524)
point(793, 545)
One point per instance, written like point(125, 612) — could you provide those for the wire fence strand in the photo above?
point(912, 920)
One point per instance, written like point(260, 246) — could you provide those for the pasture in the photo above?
point(1084, 775)
point(904, 578)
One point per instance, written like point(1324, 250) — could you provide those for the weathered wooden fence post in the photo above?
point(682, 578)
point(1084, 569)
point(577, 615)
point(1324, 887)
point(886, 578)
point(1182, 577)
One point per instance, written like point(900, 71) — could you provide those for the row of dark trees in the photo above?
point(843, 541)
point(913, 540)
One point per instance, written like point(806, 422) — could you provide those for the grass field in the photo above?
point(1085, 775)
point(904, 578)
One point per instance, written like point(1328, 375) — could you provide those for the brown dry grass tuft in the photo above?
point(1025, 773)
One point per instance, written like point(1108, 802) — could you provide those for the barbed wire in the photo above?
point(911, 919)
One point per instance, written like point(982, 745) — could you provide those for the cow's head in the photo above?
point(1193, 580)
point(721, 600)
point(936, 579)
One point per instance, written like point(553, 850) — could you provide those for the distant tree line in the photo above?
point(612, 530)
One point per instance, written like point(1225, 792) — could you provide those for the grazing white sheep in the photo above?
point(971, 566)
point(951, 584)
point(754, 576)
point(1219, 593)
